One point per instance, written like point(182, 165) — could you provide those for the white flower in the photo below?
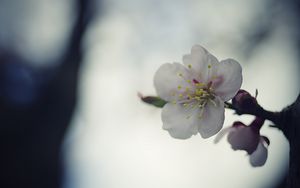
point(196, 91)
point(242, 137)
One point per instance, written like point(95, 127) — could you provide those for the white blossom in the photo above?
point(195, 92)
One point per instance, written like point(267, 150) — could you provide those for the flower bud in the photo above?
point(243, 101)
point(248, 138)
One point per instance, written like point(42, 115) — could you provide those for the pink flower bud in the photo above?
point(243, 101)
point(248, 138)
point(243, 137)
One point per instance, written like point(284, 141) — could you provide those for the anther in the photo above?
point(195, 81)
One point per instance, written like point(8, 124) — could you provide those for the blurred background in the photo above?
point(69, 76)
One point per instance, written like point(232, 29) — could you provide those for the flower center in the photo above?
point(201, 94)
point(196, 96)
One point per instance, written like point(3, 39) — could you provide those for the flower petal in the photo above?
point(168, 82)
point(265, 140)
point(228, 79)
point(212, 118)
point(243, 138)
point(179, 121)
point(259, 156)
point(222, 133)
point(201, 62)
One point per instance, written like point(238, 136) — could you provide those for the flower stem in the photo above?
point(258, 111)
point(229, 106)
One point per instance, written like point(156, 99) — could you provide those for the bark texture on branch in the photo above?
point(289, 123)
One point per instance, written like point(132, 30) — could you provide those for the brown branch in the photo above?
point(257, 111)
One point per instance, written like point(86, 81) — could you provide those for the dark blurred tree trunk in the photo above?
point(289, 123)
point(31, 136)
point(291, 117)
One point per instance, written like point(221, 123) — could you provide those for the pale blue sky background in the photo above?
point(115, 140)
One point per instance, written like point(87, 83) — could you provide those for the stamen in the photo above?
point(195, 81)
point(200, 92)
point(199, 84)
point(201, 111)
point(189, 66)
point(189, 97)
point(209, 84)
point(213, 102)
point(193, 106)
point(195, 96)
